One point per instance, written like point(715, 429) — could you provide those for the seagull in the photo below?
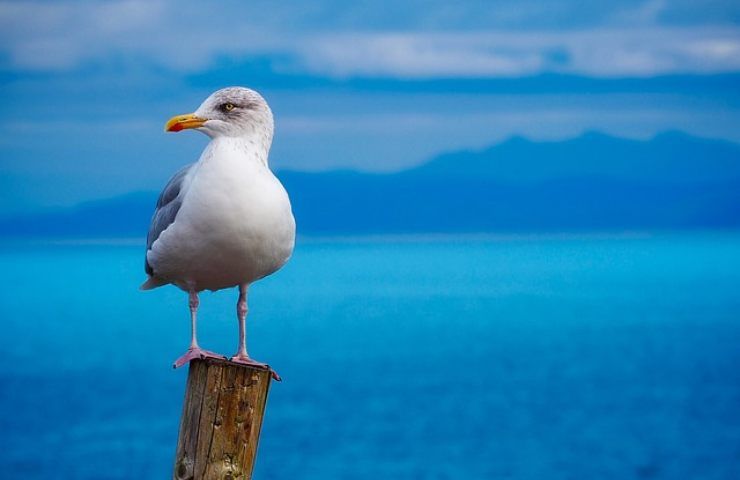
point(225, 220)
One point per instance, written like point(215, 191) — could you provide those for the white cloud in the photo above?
point(45, 36)
point(416, 55)
point(646, 13)
point(604, 52)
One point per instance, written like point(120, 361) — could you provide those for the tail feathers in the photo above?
point(153, 282)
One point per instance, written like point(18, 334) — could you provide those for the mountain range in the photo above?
point(594, 182)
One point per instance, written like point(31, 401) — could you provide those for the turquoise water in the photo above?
point(476, 358)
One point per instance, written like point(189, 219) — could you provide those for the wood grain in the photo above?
point(221, 420)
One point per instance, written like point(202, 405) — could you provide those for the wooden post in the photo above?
point(221, 420)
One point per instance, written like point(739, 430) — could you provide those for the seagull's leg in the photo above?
point(193, 303)
point(241, 353)
point(241, 314)
point(194, 351)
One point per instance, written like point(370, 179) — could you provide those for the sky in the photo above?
point(375, 86)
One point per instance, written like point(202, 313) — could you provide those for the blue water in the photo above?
point(521, 358)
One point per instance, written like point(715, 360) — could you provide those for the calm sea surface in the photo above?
point(521, 358)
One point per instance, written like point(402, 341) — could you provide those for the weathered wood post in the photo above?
point(221, 420)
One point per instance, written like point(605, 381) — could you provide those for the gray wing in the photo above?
point(168, 205)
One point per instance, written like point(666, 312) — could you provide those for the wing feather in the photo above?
point(168, 205)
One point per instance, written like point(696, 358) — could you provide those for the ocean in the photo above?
point(477, 357)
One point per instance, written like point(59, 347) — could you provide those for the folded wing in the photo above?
point(168, 205)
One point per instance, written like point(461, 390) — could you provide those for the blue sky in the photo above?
point(87, 86)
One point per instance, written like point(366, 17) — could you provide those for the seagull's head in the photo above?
point(229, 112)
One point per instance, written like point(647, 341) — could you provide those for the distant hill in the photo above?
point(670, 157)
point(593, 182)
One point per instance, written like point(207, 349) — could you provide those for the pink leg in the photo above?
point(193, 303)
point(194, 351)
point(241, 353)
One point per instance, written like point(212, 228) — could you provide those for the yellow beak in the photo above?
point(181, 122)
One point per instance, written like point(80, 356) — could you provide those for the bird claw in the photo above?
point(245, 360)
point(193, 354)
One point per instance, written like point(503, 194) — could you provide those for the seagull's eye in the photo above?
point(227, 107)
